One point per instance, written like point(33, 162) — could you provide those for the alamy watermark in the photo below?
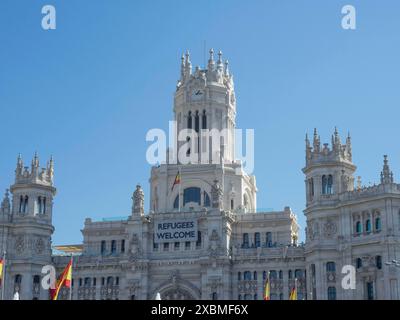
point(204, 146)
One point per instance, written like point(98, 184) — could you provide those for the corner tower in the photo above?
point(328, 171)
point(28, 243)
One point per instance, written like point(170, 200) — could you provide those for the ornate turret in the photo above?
point(36, 174)
point(386, 174)
point(337, 152)
point(138, 202)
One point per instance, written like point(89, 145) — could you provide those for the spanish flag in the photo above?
point(267, 290)
point(177, 180)
point(64, 280)
point(1, 269)
point(293, 294)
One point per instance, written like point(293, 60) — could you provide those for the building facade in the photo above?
point(203, 237)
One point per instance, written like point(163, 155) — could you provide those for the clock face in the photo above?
point(197, 94)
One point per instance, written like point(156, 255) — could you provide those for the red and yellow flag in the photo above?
point(293, 294)
point(63, 281)
point(177, 180)
point(267, 290)
point(1, 269)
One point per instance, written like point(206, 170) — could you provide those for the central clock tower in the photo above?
point(205, 106)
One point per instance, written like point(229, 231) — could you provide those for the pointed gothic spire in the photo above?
point(35, 161)
point(316, 141)
point(50, 168)
point(386, 174)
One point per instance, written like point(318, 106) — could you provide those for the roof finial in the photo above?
point(226, 68)
point(211, 62)
point(386, 174)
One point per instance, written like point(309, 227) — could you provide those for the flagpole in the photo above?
point(3, 278)
point(180, 188)
point(70, 289)
point(295, 286)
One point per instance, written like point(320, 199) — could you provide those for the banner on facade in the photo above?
point(175, 230)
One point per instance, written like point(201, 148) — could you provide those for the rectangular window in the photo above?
point(123, 246)
point(94, 282)
point(245, 240)
point(103, 247)
point(103, 281)
point(187, 245)
point(176, 245)
point(155, 246)
point(166, 246)
point(113, 246)
point(198, 242)
point(257, 240)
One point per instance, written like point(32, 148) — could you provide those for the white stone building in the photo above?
point(203, 237)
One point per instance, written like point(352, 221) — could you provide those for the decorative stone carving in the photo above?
point(329, 228)
point(39, 246)
point(20, 244)
point(135, 250)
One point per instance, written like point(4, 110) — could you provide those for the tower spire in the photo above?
point(211, 62)
point(220, 64)
point(316, 141)
point(188, 64)
point(386, 174)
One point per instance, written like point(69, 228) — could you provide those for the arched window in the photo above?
point(176, 202)
point(36, 279)
point(257, 240)
point(311, 187)
point(191, 194)
point(331, 293)
point(207, 202)
point(368, 226)
point(196, 122)
point(290, 274)
point(43, 205)
point(358, 227)
point(247, 275)
point(280, 274)
point(189, 120)
point(264, 275)
point(378, 260)
point(21, 204)
point(26, 204)
point(123, 245)
point(204, 120)
point(273, 274)
point(239, 276)
point(329, 189)
point(255, 275)
point(324, 184)
point(39, 205)
point(245, 240)
point(378, 224)
point(358, 263)
point(330, 266)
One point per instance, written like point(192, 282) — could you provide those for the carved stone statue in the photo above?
point(138, 201)
point(217, 195)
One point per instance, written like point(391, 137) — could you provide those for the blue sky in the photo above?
point(89, 91)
